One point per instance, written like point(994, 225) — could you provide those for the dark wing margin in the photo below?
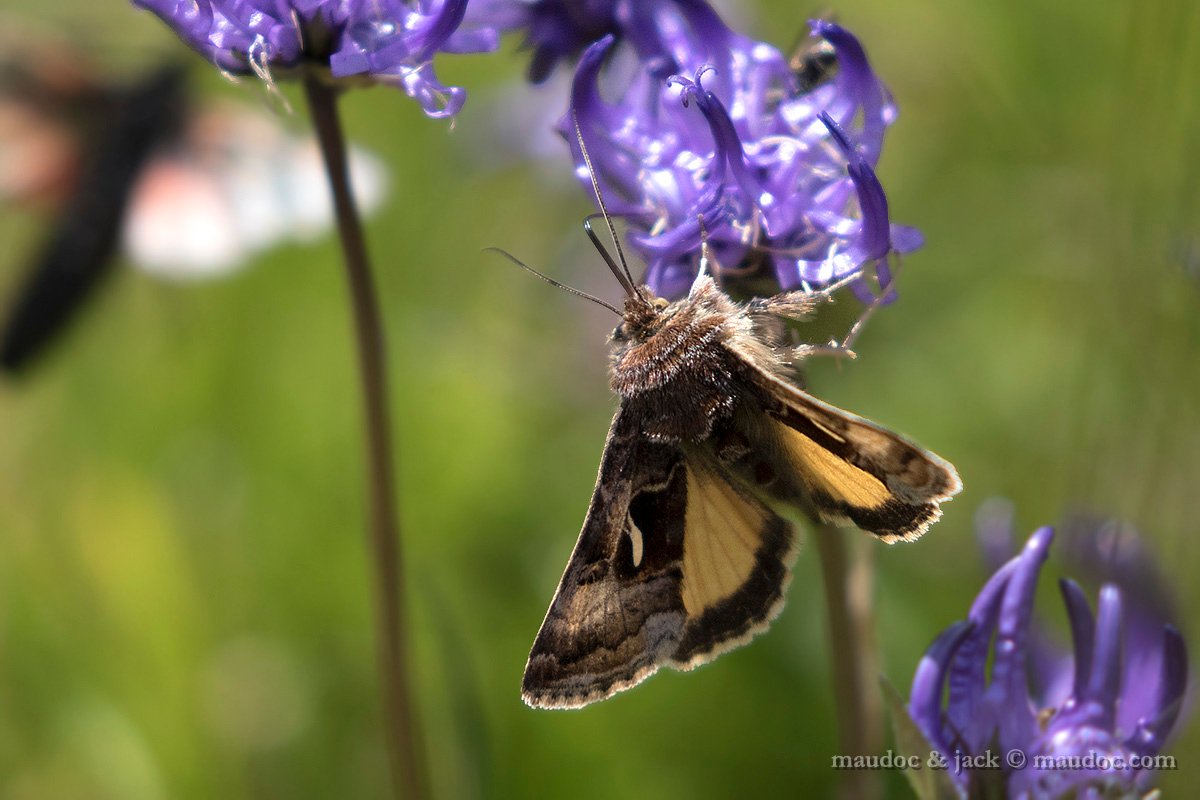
point(675, 565)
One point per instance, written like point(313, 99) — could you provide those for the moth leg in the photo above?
point(799, 305)
point(832, 348)
point(885, 289)
point(771, 315)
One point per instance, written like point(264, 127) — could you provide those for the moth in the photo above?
point(687, 547)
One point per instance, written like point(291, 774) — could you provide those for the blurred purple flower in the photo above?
point(389, 41)
point(1098, 551)
point(783, 179)
point(1120, 706)
point(555, 30)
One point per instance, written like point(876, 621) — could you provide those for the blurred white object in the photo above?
point(237, 182)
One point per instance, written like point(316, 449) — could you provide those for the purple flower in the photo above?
point(389, 41)
point(1098, 551)
point(1120, 706)
point(715, 129)
point(555, 30)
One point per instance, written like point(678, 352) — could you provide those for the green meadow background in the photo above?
point(184, 595)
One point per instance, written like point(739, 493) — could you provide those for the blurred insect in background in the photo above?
point(183, 189)
point(813, 62)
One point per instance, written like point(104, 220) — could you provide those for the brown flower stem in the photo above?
point(854, 665)
point(383, 530)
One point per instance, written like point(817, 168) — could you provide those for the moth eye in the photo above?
point(620, 333)
point(660, 303)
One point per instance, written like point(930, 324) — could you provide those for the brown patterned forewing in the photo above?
point(674, 565)
point(617, 613)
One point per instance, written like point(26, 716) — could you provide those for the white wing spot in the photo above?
point(635, 539)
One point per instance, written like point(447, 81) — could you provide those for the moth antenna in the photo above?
point(551, 281)
point(628, 283)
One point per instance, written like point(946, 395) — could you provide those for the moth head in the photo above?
point(643, 316)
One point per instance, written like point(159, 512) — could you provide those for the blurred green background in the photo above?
point(184, 603)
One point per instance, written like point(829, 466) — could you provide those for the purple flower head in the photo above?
point(1099, 552)
point(1091, 737)
point(714, 130)
point(389, 41)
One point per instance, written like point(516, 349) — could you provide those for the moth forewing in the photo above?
point(613, 617)
point(837, 466)
point(841, 468)
point(676, 564)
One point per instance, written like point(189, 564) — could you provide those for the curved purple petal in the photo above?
point(858, 83)
point(1079, 615)
point(596, 121)
point(925, 697)
point(1151, 733)
point(873, 242)
point(906, 239)
point(1105, 678)
point(969, 667)
point(728, 145)
point(1006, 697)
